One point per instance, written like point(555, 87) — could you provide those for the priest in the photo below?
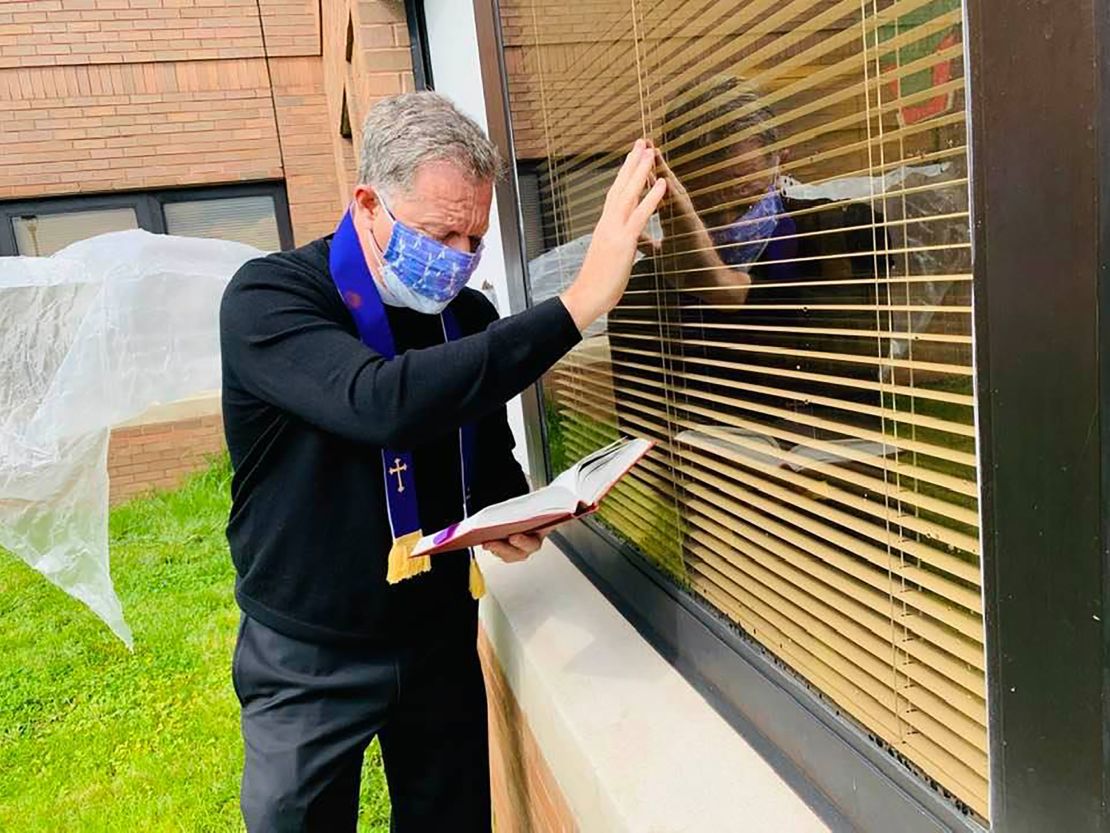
point(364, 392)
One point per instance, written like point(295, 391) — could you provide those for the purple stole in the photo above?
point(356, 286)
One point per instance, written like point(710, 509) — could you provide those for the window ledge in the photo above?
point(631, 744)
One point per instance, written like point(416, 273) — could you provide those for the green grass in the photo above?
point(638, 513)
point(95, 738)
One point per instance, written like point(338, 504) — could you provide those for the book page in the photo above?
point(552, 499)
point(574, 491)
point(596, 477)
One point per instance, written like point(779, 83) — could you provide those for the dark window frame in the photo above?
point(1049, 733)
point(147, 206)
point(418, 45)
point(1041, 186)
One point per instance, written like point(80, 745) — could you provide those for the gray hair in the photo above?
point(404, 131)
point(728, 94)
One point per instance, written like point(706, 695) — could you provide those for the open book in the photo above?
point(574, 493)
point(765, 450)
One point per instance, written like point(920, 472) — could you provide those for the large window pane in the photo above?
point(250, 220)
point(44, 234)
point(798, 340)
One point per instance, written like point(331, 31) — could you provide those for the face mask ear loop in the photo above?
point(379, 253)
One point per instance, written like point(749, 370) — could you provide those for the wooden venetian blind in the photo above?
point(804, 361)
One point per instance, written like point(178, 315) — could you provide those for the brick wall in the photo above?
point(79, 129)
point(57, 32)
point(379, 65)
point(109, 95)
point(160, 455)
point(526, 797)
point(99, 96)
point(311, 177)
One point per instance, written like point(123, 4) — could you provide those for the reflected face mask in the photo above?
point(742, 243)
point(421, 273)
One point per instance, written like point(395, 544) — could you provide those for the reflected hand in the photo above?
point(696, 265)
point(683, 229)
point(516, 548)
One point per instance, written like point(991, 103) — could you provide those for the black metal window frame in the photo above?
point(147, 205)
point(418, 45)
point(1040, 165)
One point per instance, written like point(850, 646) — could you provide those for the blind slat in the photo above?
point(961, 458)
point(605, 410)
point(652, 374)
point(885, 684)
point(906, 364)
point(908, 391)
point(860, 333)
point(859, 608)
point(934, 760)
point(736, 482)
point(889, 495)
point(849, 35)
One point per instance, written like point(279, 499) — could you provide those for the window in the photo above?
point(797, 338)
point(345, 119)
point(531, 212)
point(249, 220)
point(42, 235)
point(257, 215)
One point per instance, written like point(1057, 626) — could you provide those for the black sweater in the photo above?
point(307, 408)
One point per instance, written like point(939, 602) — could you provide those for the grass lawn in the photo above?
point(95, 738)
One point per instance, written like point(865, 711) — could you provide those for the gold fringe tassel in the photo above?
point(401, 563)
point(477, 583)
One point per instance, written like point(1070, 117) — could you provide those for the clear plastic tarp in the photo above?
point(91, 337)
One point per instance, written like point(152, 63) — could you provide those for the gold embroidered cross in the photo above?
point(399, 467)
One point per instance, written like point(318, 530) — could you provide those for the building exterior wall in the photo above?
point(161, 455)
point(103, 96)
point(526, 796)
point(98, 96)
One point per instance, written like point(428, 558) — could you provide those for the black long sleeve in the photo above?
point(307, 409)
point(290, 350)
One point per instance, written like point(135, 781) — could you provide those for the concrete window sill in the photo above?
point(631, 744)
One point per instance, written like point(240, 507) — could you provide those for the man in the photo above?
point(364, 394)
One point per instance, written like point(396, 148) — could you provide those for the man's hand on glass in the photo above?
point(629, 205)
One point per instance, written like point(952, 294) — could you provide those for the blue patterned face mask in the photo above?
point(421, 273)
point(741, 243)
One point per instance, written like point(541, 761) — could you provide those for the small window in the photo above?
point(345, 119)
point(350, 38)
point(44, 234)
point(531, 212)
point(250, 220)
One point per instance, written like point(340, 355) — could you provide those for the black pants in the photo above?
point(309, 711)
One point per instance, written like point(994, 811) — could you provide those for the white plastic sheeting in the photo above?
point(89, 338)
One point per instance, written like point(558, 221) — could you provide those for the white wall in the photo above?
point(453, 48)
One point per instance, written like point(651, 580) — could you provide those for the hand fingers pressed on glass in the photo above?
point(626, 169)
point(632, 188)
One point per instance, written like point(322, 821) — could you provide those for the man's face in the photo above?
point(721, 196)
point(442, 203)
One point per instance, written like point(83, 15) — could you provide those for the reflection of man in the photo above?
point(735, 302)
point(364, 393)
